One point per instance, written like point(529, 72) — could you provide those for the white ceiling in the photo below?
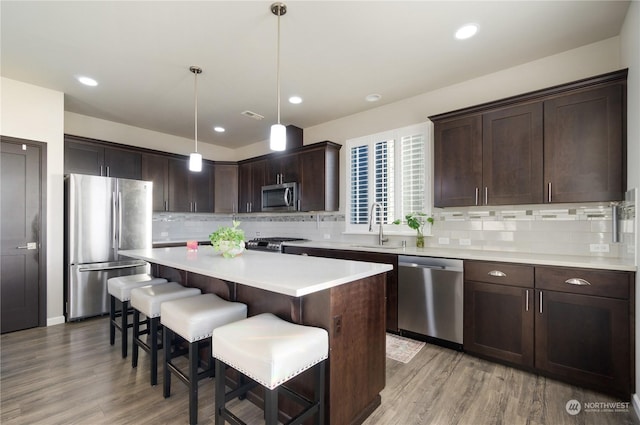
point(333, 54)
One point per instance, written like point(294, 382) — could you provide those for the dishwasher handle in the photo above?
point(422, 266)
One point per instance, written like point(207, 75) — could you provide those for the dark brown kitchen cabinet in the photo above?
point(583, 327)
point(498, 311)
point(85, 156)
point(512, 156)
point(155, 168)
point(319, 177)
point(225, 180)
point(567, 323)
point(190, 191)
point(282, 168)
point(584, 146)
point(457, 163)
point(562, 144)
point(374, 257)
point(251, 178)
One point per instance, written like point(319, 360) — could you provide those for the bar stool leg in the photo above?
point(220, 389)
point(319, 392)
point(153, 335)
point(193, 382)
point(271, 406)
point(112, 318)
point(167, 335)
point(125, 327)
point(136, 336)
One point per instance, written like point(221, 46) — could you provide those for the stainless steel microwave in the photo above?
point(280, 197)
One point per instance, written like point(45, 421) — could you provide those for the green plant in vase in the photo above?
point(417, 221)
point(228, 240)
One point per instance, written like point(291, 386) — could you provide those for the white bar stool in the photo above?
point(269, 351)
point(119, 288)
point(194, 319)
point(147, 300)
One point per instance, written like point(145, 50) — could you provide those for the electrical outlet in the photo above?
point(164, 234)
point(599, 247)
point(443, 241)
point(257, 234)
point(327, 235)
point(465, 241)
point(337, 325)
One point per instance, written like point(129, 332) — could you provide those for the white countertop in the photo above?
point(603, 263)
point(284, 274)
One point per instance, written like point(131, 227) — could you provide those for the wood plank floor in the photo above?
point(69, 374)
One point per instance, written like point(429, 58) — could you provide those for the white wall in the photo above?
point(630, 58)
point(35, 113)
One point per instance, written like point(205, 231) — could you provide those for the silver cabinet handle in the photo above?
point(527, 307)
point(195, 206)
point(477, 195)
point(540, 302)
point(166, 206)
point(497, 273)
point(549, 194)
point(577, 281)
point(108, 172)
point(486, 195)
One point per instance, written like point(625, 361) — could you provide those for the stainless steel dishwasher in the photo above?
point(430, 299)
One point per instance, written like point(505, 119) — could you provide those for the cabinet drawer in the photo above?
point(602, 283)
point(501, 273)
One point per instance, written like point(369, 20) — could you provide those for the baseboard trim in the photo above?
point(55, 320)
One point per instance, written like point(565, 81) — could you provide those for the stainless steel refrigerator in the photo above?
point(103, 215)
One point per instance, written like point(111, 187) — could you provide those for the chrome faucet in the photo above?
point(381, 238)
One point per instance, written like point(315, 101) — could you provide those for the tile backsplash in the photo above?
point(567, 229)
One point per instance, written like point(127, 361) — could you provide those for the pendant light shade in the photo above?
point(278, 139)
point(195, 159)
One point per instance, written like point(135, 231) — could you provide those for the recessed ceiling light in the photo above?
point(466, 31)
point(295, 100)
point(373, 97)
point(218, 129)
point(87, 81)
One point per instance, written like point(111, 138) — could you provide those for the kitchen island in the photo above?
point(347, 298)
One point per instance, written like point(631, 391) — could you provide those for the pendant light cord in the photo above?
point(278, 63)
point(195, 91)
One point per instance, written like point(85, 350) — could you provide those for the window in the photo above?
point(391, 169)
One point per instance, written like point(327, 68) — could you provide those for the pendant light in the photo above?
point(195, 159)
point(278, 139)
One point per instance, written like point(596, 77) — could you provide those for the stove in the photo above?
point(273, 244)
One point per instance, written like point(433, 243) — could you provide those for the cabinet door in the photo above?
point(257, 181)
point(319, 179)
point(123, 163)
point(251, 179)
point(584, 339)
point(498, 322)
point(281, 168)
point(83, 158)
point(583, 146)
point(512, 155)
point(201, 189)
point(179, 198)
point(458, 162)
point(225, 190)
point(155, 168)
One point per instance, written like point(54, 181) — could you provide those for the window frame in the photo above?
point(426, 130)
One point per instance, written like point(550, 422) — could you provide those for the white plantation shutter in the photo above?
point(393, 169)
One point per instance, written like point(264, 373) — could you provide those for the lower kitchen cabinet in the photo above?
point(373, 257)
point(571, 324)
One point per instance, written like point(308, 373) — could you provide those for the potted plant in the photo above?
point(417, 221)
point(228, 240)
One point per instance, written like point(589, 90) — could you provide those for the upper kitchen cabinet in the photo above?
point(319, 174)
point(190, 191)
point(584, 145)
point(251, 178)
point(85, 156)
point(155, 168)
point(282, 168)
point(562, 144)
point(457, 160)
point(225, 180)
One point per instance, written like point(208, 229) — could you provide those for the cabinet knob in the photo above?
point(497, 273)
point(577, 281)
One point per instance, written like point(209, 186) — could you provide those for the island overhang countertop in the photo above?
point(293, 275)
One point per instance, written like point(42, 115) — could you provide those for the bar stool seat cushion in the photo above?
point(194, 318)
point(269, 350)
point(121, 286)
point(148, 299)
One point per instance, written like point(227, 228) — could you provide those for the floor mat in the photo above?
point(402, 349)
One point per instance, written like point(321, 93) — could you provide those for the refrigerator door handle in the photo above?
point(114, 267)
point(119, 219)
point(113, 221)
